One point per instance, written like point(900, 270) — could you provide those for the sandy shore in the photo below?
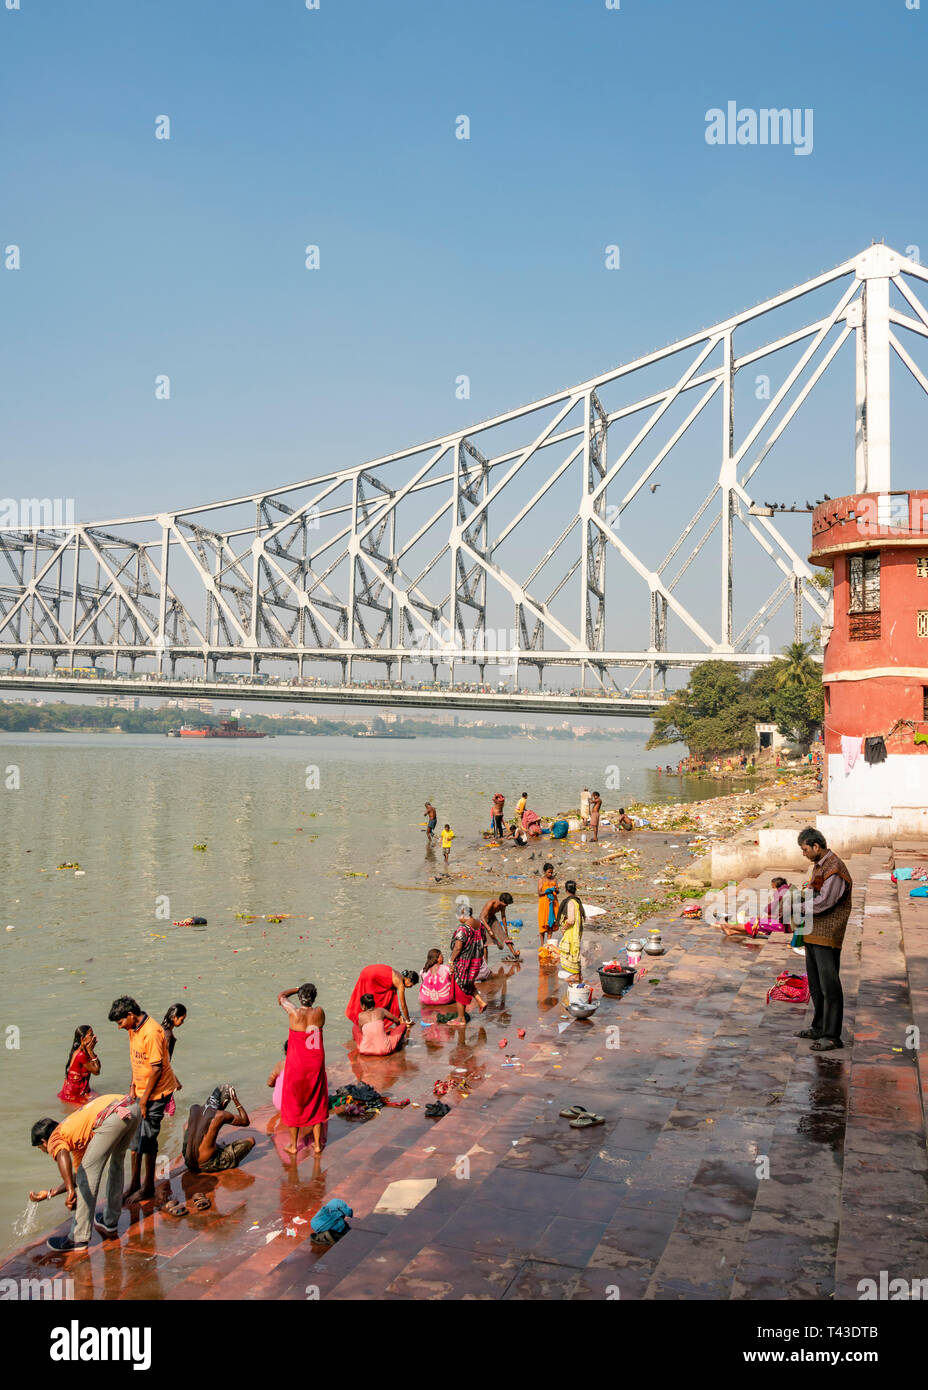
point(631, 875)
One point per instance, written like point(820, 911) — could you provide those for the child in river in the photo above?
point(447, 835)
point(81, 1065)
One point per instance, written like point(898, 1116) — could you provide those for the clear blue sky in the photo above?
point(438, 256)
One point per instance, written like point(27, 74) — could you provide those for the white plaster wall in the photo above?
point(902, 781)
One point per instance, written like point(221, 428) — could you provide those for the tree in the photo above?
point(798, 712)
point(796, 667)
point(714, 713)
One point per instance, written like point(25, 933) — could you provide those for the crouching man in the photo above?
point(94, 1139)
point(202, 1154)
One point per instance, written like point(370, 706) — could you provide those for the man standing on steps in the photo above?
point(831, 887)
point(153, 1085)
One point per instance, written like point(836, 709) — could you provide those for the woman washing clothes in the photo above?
point(388, 986)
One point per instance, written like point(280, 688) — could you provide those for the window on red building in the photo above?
point(864, 597)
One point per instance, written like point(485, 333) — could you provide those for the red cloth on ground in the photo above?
point(305, 1093)
point(76, 1089)
point(378, 981)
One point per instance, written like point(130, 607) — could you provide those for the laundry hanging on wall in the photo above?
point(850, 750)
point(875, 749)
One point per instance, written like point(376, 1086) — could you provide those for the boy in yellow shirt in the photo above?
point(447, 835)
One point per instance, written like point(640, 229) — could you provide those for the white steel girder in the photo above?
point(403, 558)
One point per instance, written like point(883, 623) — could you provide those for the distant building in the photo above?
point(767, 738)
point(130, 702)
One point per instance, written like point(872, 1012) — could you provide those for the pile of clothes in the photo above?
point(359, 1101)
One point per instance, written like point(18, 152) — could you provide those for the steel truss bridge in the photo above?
point(494, 546)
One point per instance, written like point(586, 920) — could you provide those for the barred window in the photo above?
point(864, 578)
point(921, 566)
point(922, 622)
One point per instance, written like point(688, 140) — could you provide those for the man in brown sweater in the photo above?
point(831, 907)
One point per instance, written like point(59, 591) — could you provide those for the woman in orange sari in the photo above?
point(547, 903)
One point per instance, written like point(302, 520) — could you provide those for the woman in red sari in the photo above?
point(388, 988)
point(304, 1101)
point(81, 1065)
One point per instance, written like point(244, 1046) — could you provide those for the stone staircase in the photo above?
point(733, 1162)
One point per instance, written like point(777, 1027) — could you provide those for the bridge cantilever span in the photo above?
point(492, 546)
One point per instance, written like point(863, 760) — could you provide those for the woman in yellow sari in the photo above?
point(572, 915)
point(547, 903)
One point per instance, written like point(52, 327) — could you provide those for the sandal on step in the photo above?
point(201, 1202)
point(826, 1045)
point(572, 1111)
point(586, 1121)
point(174, 1208)
point(807, 1033)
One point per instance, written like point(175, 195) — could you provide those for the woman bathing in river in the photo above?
point(304, 1101)
point(82, 1064)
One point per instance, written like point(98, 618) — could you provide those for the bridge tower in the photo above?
point(876, 654)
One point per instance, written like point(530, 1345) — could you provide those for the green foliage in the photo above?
point(716, 711)
point(798, 711)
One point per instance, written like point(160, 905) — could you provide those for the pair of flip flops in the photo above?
point(174, 1208)
point(581, 1118)
point(324, 1238)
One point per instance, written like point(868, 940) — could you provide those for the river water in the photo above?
point(284, 821)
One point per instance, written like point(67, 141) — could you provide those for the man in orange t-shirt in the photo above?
point(153, 1084)
point(92, 1140)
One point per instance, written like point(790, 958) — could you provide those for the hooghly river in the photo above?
point(284, 821)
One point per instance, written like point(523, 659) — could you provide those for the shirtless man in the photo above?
point(625, 821)
point(201, 1152)
point(596, 802)
point(431, 816)
point(496, 907)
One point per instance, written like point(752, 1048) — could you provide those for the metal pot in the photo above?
point(653, 948)
point(633, 945)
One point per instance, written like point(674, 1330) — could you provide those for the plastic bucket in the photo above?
point(579, 994)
